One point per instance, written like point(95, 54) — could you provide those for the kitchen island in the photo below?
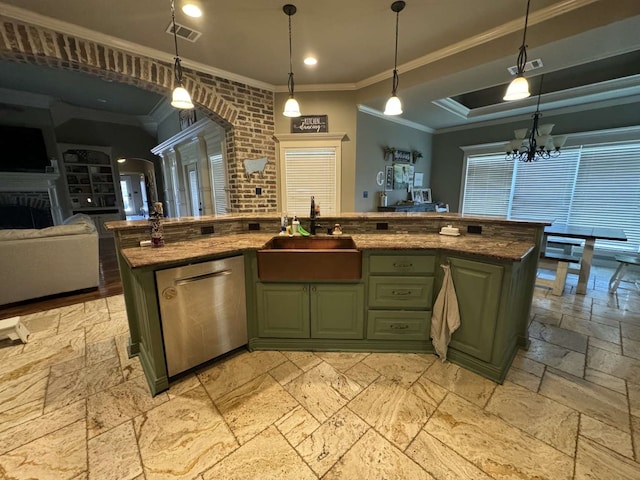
point(388, 309)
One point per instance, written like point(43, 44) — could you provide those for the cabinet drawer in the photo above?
point(401, 292)
point(402, 264)
point(388, 325)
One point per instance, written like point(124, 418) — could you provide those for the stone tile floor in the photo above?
point(73, 406)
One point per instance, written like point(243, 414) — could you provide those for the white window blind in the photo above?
point(596, 185)
point(310, 171)
point(543, 189)
point(487, 187)
point(607, 192)
point(219, 180)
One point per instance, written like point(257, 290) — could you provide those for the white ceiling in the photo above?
point(446, 47)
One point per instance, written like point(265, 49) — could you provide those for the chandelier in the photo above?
point(538, 144)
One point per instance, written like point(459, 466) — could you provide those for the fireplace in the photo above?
point(29, 200)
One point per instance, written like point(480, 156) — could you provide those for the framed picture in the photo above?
point(402, 176)
point(421, 195)
point(388, 178)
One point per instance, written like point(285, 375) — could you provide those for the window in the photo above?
point(219, 181)
point(596, 185)
point(310, 167)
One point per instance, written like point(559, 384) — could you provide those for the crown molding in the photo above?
point(399, 120)
point(319, 87)
point(479, 39)
point(25, 99)
point(190, 133)
point(33, 18)
point(288, 137)
point(451, 106)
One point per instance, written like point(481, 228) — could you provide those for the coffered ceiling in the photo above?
point(453, 55)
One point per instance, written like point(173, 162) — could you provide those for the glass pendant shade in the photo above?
point(181, 99)
point(393, 106)
point(518, 89)
point(291, 108)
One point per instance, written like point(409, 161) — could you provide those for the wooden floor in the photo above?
point(109, 284)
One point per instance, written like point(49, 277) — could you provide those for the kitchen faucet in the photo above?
point(313, 214)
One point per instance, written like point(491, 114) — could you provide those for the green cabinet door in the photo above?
point(478, 288)
point(337, 311)
point(283, 310)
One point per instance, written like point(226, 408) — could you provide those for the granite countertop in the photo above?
point(371, 216)
point(196, 250)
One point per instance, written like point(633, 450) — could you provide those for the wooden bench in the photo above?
point(566, 244)
point(562, 262)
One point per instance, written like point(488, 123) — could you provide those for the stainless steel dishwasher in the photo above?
point(203, 311)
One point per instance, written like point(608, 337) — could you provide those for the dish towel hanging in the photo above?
point(446, 316)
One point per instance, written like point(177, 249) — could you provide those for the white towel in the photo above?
point(446, 316)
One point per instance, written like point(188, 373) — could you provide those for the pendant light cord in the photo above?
point(178, 67)
point(394, 84)
point(290, 83)
point(522, 54)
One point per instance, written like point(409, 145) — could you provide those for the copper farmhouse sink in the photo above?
point(309, 259)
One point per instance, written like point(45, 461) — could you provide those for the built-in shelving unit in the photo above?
point(90, 182)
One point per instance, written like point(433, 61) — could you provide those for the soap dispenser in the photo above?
point(294, 225)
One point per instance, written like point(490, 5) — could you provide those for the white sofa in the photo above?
point(39, 262)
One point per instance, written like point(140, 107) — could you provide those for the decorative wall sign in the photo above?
point(310, 124)
point(402, 156)
point(252, 166)
point(187, 117)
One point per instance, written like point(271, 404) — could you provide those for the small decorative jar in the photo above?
point(155, 226)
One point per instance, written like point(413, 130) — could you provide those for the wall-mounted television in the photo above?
point(22, 149)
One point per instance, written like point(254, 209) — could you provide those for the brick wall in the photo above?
point(245, 112)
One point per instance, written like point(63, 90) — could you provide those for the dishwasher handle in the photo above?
point(183, 281)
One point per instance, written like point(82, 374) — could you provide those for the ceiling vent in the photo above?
point(184, 32)
point(532, 65)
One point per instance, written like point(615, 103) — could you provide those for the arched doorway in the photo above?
point(138, 186)
point(245, 112)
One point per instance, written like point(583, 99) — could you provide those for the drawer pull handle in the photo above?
point(403, 265)
point(401, 292)
point(401, 326)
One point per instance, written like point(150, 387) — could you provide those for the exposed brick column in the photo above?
point(245, 112)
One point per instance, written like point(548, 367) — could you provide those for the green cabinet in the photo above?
point(400, 296)
point(283, 310)
point(317, 310)
point(478, 287)
point(337, 311)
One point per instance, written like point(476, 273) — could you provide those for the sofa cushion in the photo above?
point(78, 218)
point(78, 226)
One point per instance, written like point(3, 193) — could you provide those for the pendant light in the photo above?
point(291, 108)
point(519, 87)
point(180, 98)
point(394, 106)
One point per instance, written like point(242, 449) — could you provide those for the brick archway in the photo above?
point(245, 112)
